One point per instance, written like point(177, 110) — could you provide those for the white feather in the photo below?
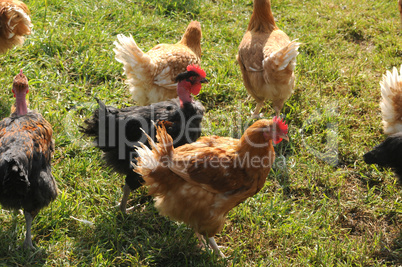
point(284, 57)
point(83, 221)
point(26, 19)
point(391, 85)
point(148, 160)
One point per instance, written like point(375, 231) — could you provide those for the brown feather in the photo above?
point(400, 8)
point(397, 103)
point(199, 183)
point(267, 59)
point(13, 26)
point(151, 75)
point(192, 38)
point(262, 19)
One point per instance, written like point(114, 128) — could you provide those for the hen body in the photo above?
point(151, 76)
point(199, 183)
point(267, 59)
point(116, 131)
point(14, 23)
point(26, 181)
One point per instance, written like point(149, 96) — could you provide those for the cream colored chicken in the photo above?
point(267, 59)
point(14, 24)
point(151, 76)
point(391, 103)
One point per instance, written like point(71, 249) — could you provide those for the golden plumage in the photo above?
point(14, 24)
point(267, 59)
point(199, 183)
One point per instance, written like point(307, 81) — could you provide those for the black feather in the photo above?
point(26, 147)
point(387, 154)
point(186, 75)
point(117, 131)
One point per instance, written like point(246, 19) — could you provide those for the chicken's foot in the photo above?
point(209, 243)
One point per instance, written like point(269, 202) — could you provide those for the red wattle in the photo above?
point(195, 89)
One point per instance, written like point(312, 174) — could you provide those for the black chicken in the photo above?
point(117, 131)
point(26, 149)
point(388, 154)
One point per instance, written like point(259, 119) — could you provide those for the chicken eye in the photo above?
point(191, 79)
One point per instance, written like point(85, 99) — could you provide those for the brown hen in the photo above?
point(199, 183)
point(267, 59)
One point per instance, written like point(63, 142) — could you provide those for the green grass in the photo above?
point(321, 205)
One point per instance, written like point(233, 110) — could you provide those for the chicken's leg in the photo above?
point(28, 238)
point(215, 247)
point(256, 114)
point(278, 105)
point(201, 239)
point(124, 199)
point(211, 243)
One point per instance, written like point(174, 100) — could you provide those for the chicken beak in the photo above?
point(285, 137)
point(204, 81)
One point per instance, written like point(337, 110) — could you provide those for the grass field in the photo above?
point(321, 205)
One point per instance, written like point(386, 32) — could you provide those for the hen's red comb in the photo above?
point(197, 69)
point(283, 127)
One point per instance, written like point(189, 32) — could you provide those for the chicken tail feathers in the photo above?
point(391, 103)
point(159, 154)
point(136, 62)
point(14, 181)
point(102, 126)
point(284, 58)
point(192, 37)
point(165, 141)
point(91, 127)
point(14, 24)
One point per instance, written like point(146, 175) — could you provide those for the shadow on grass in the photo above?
point(280, 170)
point(371, 179)
point(11, 251)
point(172, 7)
point(391, 248)
point(391, 254)
point(142, 237)
point(359, 222)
